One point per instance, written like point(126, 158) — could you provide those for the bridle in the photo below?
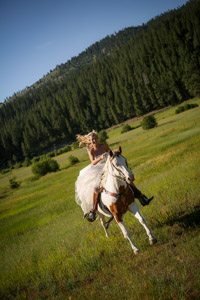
point(123, 178)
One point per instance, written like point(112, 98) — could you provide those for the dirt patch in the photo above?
point(138, 118)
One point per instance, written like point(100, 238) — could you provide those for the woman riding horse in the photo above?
point(87, 186)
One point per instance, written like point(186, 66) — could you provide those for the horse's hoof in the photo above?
point(136, 251)
point(153, 241)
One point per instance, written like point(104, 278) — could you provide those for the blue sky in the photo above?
point(37, 35)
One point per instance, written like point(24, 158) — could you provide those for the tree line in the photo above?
point(157, 67)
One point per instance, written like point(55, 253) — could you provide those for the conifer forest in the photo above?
point(125, 75)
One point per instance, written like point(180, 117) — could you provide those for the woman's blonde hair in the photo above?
point(84, 140)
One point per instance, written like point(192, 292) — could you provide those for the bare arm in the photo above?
point(95, 160)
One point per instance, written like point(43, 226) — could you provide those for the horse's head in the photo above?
point(119, 165)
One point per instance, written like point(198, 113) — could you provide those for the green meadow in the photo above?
point(48, 251)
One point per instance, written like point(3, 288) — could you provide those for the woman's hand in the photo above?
point(103, 155)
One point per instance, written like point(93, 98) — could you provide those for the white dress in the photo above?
point(89, 178)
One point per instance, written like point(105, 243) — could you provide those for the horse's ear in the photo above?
point(120, 149)
point(111, 153)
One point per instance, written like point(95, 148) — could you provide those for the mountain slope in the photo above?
point(159, 66)
point(92, 54)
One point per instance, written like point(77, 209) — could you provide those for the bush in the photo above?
point(13, 183)
point(149, 122)
point(60, 151)
point(10, 164)
point(75, 145)
point(4, 171)
point(17, 165)
point(193, 105)
point(35, 159)
point(43, 167)
point(50, 154)
point(102, 136)
point(26, 163)
point(43, 157)
point(126, 128)
point(186, 107)
point(73, 160)
point(179, 110)
point(53, 165)
point(33, 178)
point(67, 148)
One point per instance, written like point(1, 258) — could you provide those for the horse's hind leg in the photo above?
point(135, 210)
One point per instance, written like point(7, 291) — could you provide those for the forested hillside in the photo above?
point(93, 53)
point(159, 66)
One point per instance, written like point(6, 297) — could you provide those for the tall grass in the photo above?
point(49, 252)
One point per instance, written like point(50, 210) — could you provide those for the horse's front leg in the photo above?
point(135, 210)
point(103, 224)
point(127, 235)
point(125, 231)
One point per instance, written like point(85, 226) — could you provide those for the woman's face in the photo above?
point(94, 139)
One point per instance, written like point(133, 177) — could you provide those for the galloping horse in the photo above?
point(117, 196)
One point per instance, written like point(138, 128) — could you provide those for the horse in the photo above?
point(117, 197)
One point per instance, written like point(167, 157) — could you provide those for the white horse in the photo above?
point(117, 197)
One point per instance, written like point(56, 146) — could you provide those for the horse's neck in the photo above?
point(113, 183)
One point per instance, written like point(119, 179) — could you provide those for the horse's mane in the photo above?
point(105, 173)
point(105, 170)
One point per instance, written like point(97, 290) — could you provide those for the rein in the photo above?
point(116, 195)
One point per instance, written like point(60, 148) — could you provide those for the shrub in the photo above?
point(43, 167)
point(13, 183)
point(67, 148)
point(193, 105)
point(43, 157)
point(53, 165)
point(185, 107)
point(34, 178)
point(50, 154)
point(60, 151)
point(10, 164)
point(4, 171)
point(27, 162)
point(75, 145)
point(35, 159)
point(148, 122)
point(179, 109)
point(102, 136)
point(73, 160)
point(17, 165)
point(126, 128)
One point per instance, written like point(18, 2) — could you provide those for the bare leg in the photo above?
point(95, 199)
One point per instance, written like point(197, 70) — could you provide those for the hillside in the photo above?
point(93, 53)
point(158, 67)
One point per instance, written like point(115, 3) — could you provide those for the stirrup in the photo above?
point(91, 216)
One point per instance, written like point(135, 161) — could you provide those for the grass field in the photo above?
point(49, 252)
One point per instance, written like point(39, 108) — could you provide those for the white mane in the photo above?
point(105, 173)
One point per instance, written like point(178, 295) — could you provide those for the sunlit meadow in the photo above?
point(49, 252)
